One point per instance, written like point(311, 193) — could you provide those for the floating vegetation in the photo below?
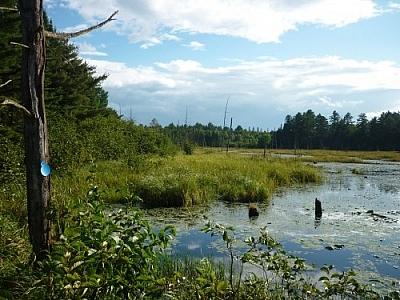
point(357, 171)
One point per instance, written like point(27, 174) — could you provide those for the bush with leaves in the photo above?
point(102, 253)
point(188, 148)
point(73, 143)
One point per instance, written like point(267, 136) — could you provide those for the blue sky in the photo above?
point(180, 60)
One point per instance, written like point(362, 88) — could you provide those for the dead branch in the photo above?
point(8, 8)
point(4, 84)
point(20, 107)
point(19, 44)
point(81, 32)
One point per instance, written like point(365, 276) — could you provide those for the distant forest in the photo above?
point(302, 131)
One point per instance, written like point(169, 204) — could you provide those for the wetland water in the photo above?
point(361, 212)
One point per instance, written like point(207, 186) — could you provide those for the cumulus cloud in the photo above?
point(194, 45)
point(90, 50)
point(262, 85)
point(260, 21)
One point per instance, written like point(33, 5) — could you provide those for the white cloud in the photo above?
point(291, 85)
point(75, 28)
point(156, 40)
point(260, 21)
point(194, 45)
point(327, 101)
point(88, 49)
point(394, 5)
point(122, 76)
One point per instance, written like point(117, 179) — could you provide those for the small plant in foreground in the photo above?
point(103, 254)
point(279, 275)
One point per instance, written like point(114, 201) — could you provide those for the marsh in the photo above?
point(369, 245)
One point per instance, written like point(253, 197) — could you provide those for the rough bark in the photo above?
point(35, 126)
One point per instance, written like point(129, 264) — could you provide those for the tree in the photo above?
point(363, 132)
point(321, 130)
point(35, 124)
point(309, 127)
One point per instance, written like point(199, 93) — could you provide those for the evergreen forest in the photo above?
point(302, 131)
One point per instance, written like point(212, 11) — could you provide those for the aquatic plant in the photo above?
point(357, 171)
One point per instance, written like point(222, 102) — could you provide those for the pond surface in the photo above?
point(361, 216)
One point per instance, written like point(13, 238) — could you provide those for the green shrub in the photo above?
point(188, 148)
point(102, 253)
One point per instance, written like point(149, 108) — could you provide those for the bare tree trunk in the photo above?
point(35, 126)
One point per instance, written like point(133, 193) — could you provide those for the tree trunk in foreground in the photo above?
point(35, 126)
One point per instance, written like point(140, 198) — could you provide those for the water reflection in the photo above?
point(317, 222)
point(372, 247)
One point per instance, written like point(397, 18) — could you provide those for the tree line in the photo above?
point(302, 131)
point(309, 131)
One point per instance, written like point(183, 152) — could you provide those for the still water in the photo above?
point(361, 216)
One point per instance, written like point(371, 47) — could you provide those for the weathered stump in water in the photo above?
point(253, 211)
point(318, 208)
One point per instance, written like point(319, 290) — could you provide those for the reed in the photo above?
point(338, 156)
point(187, 180)
point(183, 180)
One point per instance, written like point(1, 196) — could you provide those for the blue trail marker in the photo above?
point(45, 169)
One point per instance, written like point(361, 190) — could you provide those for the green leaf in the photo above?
point(323, 278)
point(222, 286)
point(225, 236)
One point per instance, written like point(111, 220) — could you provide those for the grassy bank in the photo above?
point(333, 155)
point(186, 180)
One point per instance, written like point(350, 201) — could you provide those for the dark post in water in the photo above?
point(318, 208)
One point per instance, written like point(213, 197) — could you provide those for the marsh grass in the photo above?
point(242, 175)
point(187, 180)
point(338, 156)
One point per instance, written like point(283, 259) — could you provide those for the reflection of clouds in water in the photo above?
point(289, 218)
point(193, 246)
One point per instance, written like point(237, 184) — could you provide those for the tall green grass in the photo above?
point(188, 180)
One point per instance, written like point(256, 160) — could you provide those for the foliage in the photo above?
point(216, 136)
point(281, 274)
point(11, 162)
point(307, 131)
point(188, 148)
point(102, 138)
point(101, 253)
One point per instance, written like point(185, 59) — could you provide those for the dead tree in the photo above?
point(35, 125)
